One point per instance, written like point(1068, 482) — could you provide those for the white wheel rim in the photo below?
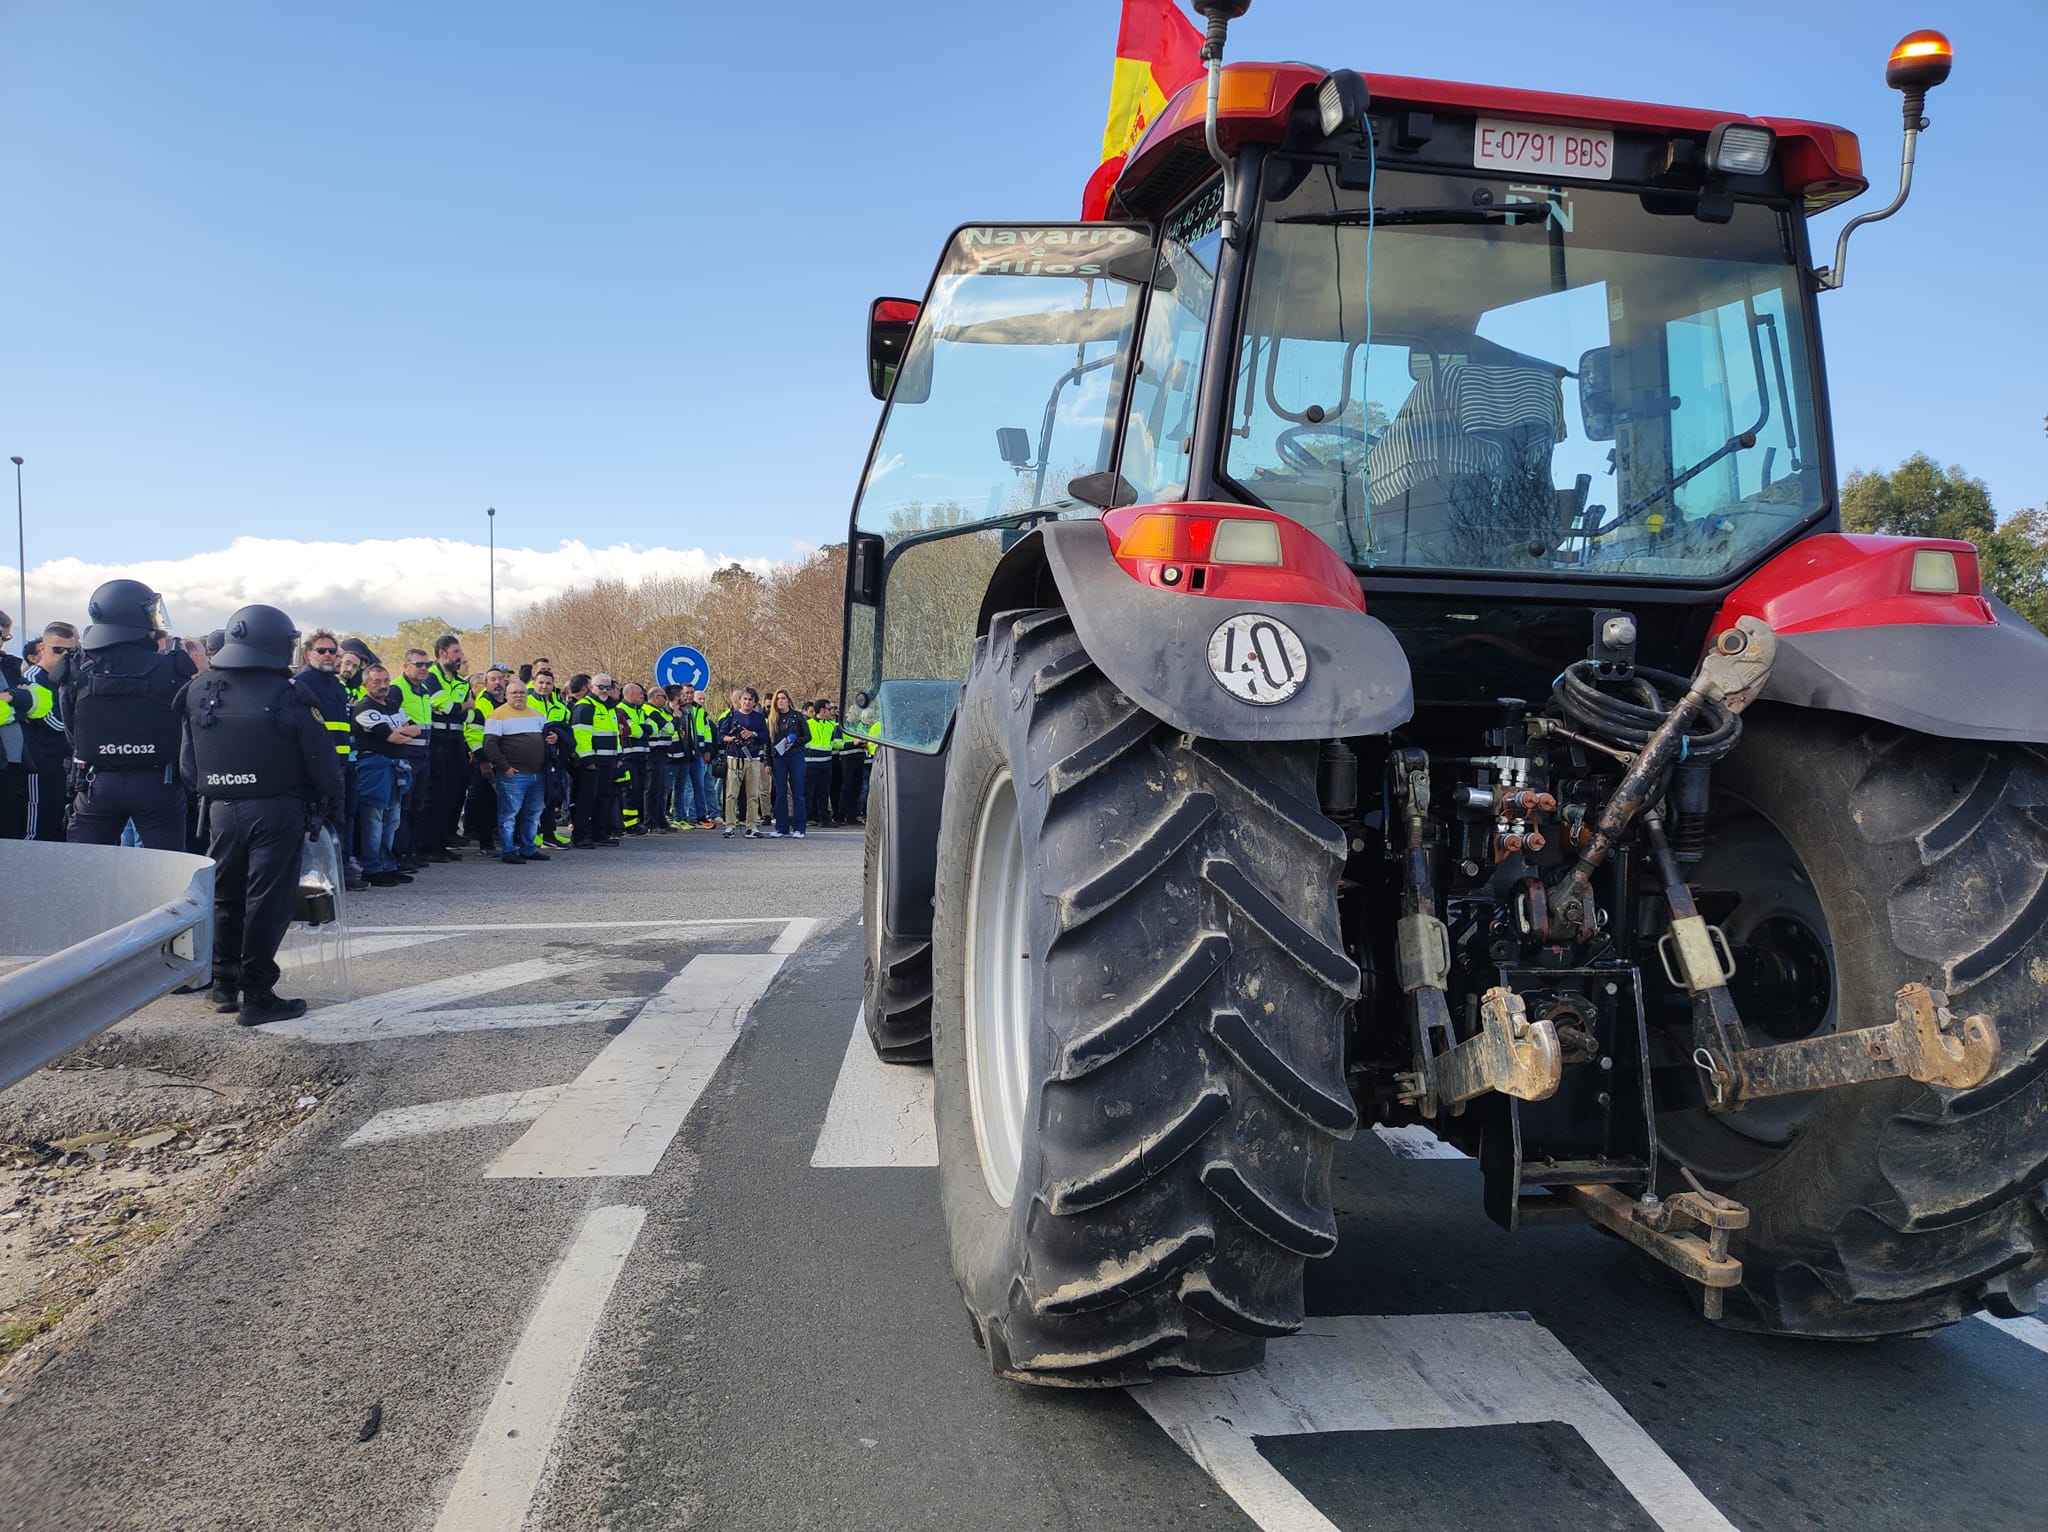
point(998, 992)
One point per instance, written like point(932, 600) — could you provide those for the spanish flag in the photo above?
point(1158, 51)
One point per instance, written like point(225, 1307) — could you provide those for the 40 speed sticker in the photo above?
point(1257, 659)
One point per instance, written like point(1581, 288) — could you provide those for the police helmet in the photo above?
point(124, 612)
point(258, 638)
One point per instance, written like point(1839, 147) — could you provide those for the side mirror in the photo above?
point(1014, 443)
point(861, 699)
point(864, 569)
point(890, 321)
point(1596, 393)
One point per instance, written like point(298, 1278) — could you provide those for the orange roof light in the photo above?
point(1920, 62)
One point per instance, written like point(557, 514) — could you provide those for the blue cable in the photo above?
point(1372, 175)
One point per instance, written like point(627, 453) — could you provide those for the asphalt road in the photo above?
point(610, 1227)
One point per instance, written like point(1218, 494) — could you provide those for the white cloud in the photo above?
point(369, 586)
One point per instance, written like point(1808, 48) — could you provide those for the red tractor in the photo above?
point(1362, 637)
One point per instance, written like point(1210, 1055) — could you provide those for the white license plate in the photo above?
point(1544, 148)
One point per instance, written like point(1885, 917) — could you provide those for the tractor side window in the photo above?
point(1162, 421)
point(1725, 365)
point(1009, 389)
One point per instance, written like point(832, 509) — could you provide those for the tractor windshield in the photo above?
point(1552, 377)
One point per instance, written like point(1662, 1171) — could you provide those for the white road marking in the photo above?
point(580, 925)
point(1415, 1142)
point(488, 1018)
point(497, 1482)
point(402, 1122)
point(881, 1114)
point(362, 945)
point(2030, 1330)
point(372, 1016)
point(1402, 1372)
point(618, 1116)
point(793, 934)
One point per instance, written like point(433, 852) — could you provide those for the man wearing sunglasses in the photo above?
point(116, 698)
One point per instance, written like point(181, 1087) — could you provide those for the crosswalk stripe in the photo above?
point(881, 1114)
point(431, 1117)
point(495, 1487)
point(361, 945)
point(373, 1016)
point(1415, 1142)
point(1404, 1372)
point(618, 1117)
point(2029, 1330)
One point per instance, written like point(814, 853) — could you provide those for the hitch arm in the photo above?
point(1511, 1055)
point(1688, 1232)
point(1923, 1042)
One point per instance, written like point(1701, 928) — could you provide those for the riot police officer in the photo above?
point(116, 700)
point(266, 765)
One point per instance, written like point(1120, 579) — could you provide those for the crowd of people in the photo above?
point(512, 763)
point(133, 735)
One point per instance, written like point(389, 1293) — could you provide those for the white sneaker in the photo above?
point(796, 835)
point(752, 833)
point(777, 835)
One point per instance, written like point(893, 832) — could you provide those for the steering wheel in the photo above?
point(1288, 444)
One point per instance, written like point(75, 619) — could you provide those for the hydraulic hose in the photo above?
point(1627, 718)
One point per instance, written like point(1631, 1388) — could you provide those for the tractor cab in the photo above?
point(1469, 338)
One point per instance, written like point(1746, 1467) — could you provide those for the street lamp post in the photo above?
point(21, 549)
point(491, 638)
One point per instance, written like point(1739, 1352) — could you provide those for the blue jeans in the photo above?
point(519, 804)
point(786, 790)
point(693, 788)
point(375, 790)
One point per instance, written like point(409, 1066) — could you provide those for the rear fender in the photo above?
point(913, 787)
point(1155, 643)
point(1855, 636)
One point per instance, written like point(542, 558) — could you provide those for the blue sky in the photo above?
point(351, 273)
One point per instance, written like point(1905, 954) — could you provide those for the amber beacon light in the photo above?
point(1920, 62)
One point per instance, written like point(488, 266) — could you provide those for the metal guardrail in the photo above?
point(100, 931)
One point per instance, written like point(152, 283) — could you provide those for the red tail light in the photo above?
point(1238, 552)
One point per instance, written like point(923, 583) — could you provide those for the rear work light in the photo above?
point(1934, 572)
point(1740, 149)
point(1239, 552)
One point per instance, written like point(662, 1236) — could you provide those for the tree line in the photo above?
point(778, 629)
point(784, 628)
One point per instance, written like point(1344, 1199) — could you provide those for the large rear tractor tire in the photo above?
point(1848, 859)
point(1138, 1019)
point(897, 998)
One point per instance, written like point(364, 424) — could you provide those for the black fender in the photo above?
point(1954, 681)
point(1154, 644)
point(915, 786)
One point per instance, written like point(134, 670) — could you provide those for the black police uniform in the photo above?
point(266, 765)
point(116, 700)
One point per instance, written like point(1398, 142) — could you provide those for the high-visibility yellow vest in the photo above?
point(40, 700)
point(633, 730)
point(450, 698)
point(818, 747)
point(418, 706)
point(597, 729)
point(473, 721)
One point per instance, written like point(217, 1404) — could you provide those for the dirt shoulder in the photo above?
point(118, 1152)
